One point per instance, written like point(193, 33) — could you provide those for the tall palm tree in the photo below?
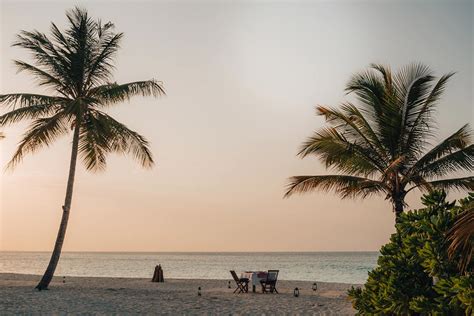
point(77, 65)
point(379, 145)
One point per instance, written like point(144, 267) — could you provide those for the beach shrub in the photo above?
point(414, 275)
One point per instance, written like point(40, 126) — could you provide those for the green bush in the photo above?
point(404, 282)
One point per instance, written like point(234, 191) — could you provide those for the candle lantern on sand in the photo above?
point(296, 292)
point(314, 287)
point(228, 285)
point(199, 291)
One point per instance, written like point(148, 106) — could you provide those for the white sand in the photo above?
point(131, 296)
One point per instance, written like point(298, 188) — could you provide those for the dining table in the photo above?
point(254, 277)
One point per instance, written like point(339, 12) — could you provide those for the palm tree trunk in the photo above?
point(398, 208)
point(53, 262)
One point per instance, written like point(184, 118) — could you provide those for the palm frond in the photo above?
point(460, 237)
point(407, 76)
point(464, 183)
point(42, 132)
point(417, 182)
point(27, 112)
point(113, 93)
point(413, 103)
point(460, 160)
point(343, 185)
point(47, 58)
point(359, 119)
point(336, 151)
point(387, 76)
point(94, 142)
point(27, 99)
point(61, 40)
point(109, 135)
point(421, 122)
point(379, 106)
point(100, 69)
point(44, 78)
point(351, 123)
point(370, 91)
point(81, 34)
point(459, 140)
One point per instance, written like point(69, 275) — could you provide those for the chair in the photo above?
point(269, 284)
point(242, 283)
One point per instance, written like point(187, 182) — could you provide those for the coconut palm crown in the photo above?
point(76, 66)
point(381, 144)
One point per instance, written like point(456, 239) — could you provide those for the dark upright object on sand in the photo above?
point(158, 275)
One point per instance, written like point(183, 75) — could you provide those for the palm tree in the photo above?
point(77, 65)
point(379, 146)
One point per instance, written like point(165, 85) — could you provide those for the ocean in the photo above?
point(342, 267)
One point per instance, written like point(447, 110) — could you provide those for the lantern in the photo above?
point(64, 279)
point(314, 287)
point(296, 292)
point(228, 285)
point(199, 291)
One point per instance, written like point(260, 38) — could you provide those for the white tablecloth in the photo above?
point(254, 276)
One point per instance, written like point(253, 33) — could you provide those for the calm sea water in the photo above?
point(345, 267)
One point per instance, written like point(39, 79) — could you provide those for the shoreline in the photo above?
point(99, 295)
point(174, 278)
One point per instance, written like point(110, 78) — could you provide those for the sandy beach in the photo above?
point(131, 296)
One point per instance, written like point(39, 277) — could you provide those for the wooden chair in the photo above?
point(269, 284)
point(242, 283)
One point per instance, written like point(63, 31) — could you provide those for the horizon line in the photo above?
point(193, 252)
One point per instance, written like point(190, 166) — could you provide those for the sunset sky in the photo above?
point(242, 80)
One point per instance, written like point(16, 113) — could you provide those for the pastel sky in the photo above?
point(242, 80)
